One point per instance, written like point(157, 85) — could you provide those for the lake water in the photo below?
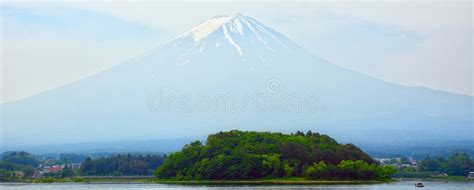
point(396, 185)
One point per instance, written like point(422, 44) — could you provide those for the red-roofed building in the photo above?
point(54, 169)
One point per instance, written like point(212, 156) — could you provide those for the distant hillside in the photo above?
point(253, 155)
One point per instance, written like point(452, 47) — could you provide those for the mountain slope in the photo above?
point(233, 72)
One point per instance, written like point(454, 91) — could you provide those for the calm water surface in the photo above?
point(397, 185)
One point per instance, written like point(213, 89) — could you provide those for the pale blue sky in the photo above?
point(49, 44)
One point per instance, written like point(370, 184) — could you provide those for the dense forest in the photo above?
point(252, 155)
point(458, 164)
point(121, 165)
point(17, 161)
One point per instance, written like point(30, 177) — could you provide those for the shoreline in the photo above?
point(269, 182)
point(197, 182)
point(297, 181)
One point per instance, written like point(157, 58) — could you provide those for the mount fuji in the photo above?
point(232, 72)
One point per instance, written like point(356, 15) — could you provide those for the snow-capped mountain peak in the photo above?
point(206, 28)
point(234, 24)
point(241, 33)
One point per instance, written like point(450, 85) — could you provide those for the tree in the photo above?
point(21, 158)
point(458, 164)
point(67, 171)
point(248, 155)
point(121, 165)
point(432, 164)
point(288, 169)
point(405, 160)
point(317, 171)
point(19, 161)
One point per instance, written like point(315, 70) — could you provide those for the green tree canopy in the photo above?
point(248, 155)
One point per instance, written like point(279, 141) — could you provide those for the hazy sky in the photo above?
point(417, 43)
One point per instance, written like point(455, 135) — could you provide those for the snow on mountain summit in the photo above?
point(207, 27)
point(235, 24)
point(242, 33)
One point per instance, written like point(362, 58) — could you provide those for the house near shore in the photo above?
point(470, 175)
point(38, 174)
point(55, 169)
point(440, 175)
point(75, 166)
point(19, 174)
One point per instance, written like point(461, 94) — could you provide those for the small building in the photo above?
point(75, 166)
point(413, 162)
point(440, 175)
point(470, 175)
point(55, 169)
point(406, 165)
point(38, 174)
point(19, 174)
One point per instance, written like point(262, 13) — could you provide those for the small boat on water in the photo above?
point(419, 184)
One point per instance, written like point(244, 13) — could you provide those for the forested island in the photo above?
point(235, 156)
point(238, 155)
